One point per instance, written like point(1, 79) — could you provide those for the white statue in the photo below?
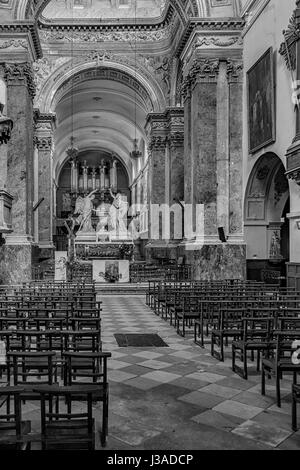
point(83, 212)
point(103, 213)
point(118, 212)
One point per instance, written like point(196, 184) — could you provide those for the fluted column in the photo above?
point(45, 124)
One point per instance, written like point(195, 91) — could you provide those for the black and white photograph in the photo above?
point(149, 230)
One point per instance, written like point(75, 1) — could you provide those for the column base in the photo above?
point(16, 263)
point(157, 250)
point(215, 261)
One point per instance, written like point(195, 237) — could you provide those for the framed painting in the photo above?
point(261, 103)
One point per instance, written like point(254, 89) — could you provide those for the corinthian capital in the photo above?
point(235, 70)
point(18, 74)
point(43, 143)
point(204, 70)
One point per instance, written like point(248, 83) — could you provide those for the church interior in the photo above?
point(149, 224)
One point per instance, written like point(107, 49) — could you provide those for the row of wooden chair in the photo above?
point(257, 319)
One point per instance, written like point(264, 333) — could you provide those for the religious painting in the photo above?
point(261, 103)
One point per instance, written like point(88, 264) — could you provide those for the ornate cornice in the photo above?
point(16, 74)
point(44, 121)
point(20, 28)
point(221, 25)
point(99, 33)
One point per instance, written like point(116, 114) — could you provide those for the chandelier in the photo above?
point(135, 153)
point(72, 152)
point(6, 125)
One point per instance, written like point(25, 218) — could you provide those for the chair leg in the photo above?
point(245, 364)
point(104, 431)
point(278, 397)
point(233, 358)
point(294, 412)
point(263, 380)
point(222, 347)
point(258, 361)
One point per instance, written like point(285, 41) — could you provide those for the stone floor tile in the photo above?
point(201, 399)
point(119, 376)
point(161, 376)
point(238, 409)
point(154, 364)
point(206, 376)
point(220, 390)
point(262, 433)
point(142, 383)
point(217, 420)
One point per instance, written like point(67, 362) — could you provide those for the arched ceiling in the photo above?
point(101, 115)
point(103, 9)
point(159, 8)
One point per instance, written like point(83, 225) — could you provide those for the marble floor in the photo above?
point(179, 397)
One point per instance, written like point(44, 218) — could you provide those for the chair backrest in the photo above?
point(66, 429)
point(28, 367)
point(85, 367)
point(12, 428)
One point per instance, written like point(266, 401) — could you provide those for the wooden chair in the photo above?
point(32, 369)
point(12, 429)
point(86, 368)
point(64, 429)
point(228, 325)
point(281, 361)
point(256, 336)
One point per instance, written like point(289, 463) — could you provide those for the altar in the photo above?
point(110, 260)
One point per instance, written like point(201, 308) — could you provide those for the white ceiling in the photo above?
point(93, 9)
point(109, 122)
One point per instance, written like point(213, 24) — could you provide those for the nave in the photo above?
point(178, 397)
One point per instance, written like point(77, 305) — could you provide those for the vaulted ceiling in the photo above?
point(88, 9)
point(118, 9)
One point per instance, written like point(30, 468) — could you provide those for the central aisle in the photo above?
point(179, 397)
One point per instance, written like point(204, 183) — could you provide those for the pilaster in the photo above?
point(44, 128)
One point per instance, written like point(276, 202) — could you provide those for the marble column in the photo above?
point(176, 148)
point(20, 93)
point(204, 142)
point(45, 125)
point(235, 98)
point(157, 130)
point(213, 186)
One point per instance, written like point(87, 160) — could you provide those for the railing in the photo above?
point(142, 272)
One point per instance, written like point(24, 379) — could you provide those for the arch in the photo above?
point(138, 78)
point(258, 200)
point(265, 224)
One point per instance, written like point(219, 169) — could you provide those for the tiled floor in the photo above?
point(179, 397)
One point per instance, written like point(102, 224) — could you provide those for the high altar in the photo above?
point(108, 246)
